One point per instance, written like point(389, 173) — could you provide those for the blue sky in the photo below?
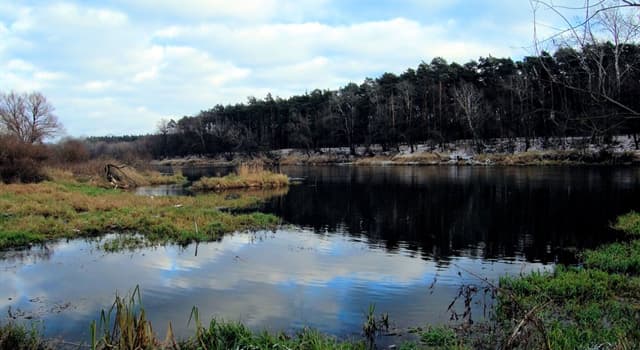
point(118, 67)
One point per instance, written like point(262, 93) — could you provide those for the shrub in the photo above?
point(71, 151)
point(21, 161)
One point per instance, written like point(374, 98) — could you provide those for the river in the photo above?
point(404, 239)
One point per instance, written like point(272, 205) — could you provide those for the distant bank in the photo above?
point(622, 150)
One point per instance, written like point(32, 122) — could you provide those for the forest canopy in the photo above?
point(549, 95)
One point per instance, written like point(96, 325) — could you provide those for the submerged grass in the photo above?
point(33, 213)
point(247, 176)
point(14, 336)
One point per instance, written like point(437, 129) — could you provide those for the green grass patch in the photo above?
point(87, 189)
point(596, 306)
point(441, 336)
point(629, 223)
point(126, 326)
point(621, 257)
point(578, 308)
point(232, 335)
point(33, 213)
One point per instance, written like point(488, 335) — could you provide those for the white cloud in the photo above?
point(179, 58)
point(20, 65)
point(48, 76)
point(98, 85)
point(243, 11)
point(74, 15)
point(148, 74)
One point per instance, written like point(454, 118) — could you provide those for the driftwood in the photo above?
point(117, 177)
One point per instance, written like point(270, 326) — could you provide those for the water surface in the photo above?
point(403, 238)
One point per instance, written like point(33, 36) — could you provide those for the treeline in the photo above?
point(592, 92)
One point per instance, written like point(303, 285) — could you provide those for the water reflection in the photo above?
point(269, 280)
point(369, 235)
point(543, 214)
point(163, 190)
point(193, 173)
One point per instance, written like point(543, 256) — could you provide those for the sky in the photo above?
point(117, 67)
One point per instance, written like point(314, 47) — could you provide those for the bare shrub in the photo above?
point(21, 161)
point(71, 151)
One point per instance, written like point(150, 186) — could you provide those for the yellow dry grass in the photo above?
point(246, 176)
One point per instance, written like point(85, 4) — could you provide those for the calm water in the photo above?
point(404, 238)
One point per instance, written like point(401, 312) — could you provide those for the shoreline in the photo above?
point(301, 158)
point(569, 151)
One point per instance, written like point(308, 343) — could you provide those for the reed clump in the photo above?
point(125, 326)
point(246, 176)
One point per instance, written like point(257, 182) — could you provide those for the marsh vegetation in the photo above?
point(65, 208)
point(247, 176)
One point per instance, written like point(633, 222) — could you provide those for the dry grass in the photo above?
point(315, 159)
point(93, 172)
point(420, 158)
point(246, 176)
point(374, 160)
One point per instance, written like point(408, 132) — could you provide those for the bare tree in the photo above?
point(165, 127)
point(344, 108)
point(471, 103)
point(605, 28)
point(29, 117)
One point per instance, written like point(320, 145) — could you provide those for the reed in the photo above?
point(246, 177)
point(15, 336)
point(125, 326)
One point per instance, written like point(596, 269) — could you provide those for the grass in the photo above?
point(247, 176)
point(629, 223)
point(436, 337)
point(34, 213)
point(621, 258)
point(14, 336)
point(125, 326)
point(230, 335)
point(596, 306)
point(93, 172)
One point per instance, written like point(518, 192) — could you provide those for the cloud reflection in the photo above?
point(280, 280)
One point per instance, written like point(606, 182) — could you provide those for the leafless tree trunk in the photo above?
point(344, 106)
point(470, 102)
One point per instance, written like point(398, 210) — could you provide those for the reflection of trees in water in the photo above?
point(28, 255)
point(535, 213)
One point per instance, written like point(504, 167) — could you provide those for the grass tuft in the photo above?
point(247, 176)
point(14, 336)
point(629, 223)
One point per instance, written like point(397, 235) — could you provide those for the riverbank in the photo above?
point(568, 151)
point(595, 304)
